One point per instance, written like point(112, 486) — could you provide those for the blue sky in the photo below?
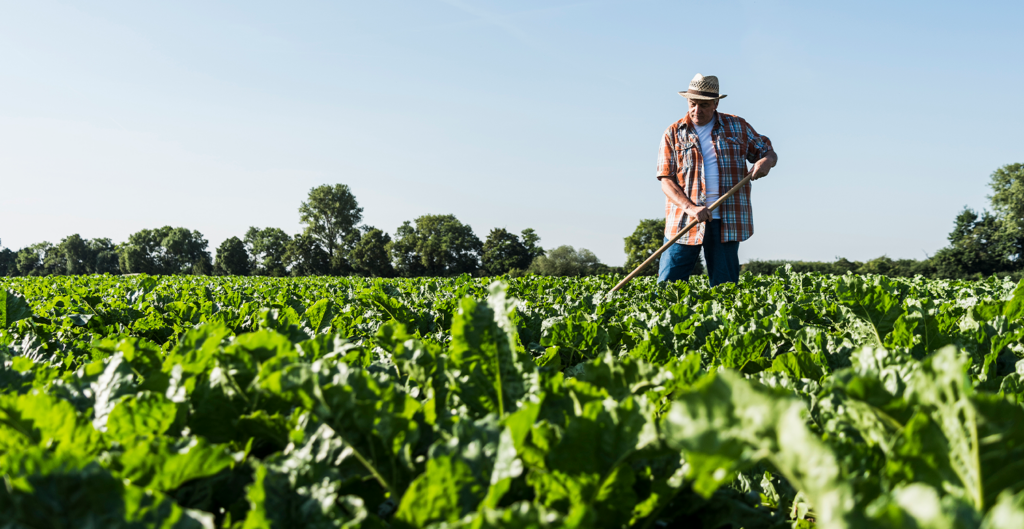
point(119, 115)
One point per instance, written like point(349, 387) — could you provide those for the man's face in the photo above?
point(701, 111)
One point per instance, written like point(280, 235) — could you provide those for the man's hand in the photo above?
point(762, 166)
point(700, 213)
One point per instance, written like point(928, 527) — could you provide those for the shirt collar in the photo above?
point(691, 127)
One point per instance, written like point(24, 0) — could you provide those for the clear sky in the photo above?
point(888, 117)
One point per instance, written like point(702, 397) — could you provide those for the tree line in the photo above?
point(980, 245)
point(333, 242)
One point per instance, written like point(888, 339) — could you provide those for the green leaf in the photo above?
point(43, 420)
point(875, 301)
point(13, 307)
point(144, 415)
point(985, 432)
point(918, 330)
point(1014, 309)
point(320, 315)
point(444, 492)
point(743, 350)
point(726, 424)
point(64, 497)
point(116, 380)
point(306, 496)
point(484, 358)
point(798, 364)
point(163, 465)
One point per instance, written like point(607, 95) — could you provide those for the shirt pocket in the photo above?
point(730, 150)
point(687, 156)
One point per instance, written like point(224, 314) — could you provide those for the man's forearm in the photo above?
point(676, 194)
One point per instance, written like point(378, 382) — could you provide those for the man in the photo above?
point(702, 157)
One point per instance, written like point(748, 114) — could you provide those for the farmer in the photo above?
point(702, 156)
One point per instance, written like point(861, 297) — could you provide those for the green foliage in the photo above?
point(880, 265)
point(531, 240)
point(232, 258)
point(978, 246)
point(503, 251)
point(306, 257)
point(8, 262)
point(72, 256)
point(40, 259)
point(267, 248)
point(369, 256)
point(165, 251)
point(566, 261)
point(1008, 202)
point(795, 400)
point(438, 245)
point(12, 308)
point(331, 214)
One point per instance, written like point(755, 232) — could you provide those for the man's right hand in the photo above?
point(700, 213)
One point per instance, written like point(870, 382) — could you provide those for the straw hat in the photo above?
point(702, 87)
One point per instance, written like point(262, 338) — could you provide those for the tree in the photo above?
point(531, 240)
point(1007, 200)
point(8, 262)
point(76, 256)
point(186, 252)
point(74, 252)
point(370, 256)
point(566, 261)
point(267, 250)
point(645, 240)
point(503, 251)
point(102, 257)
point(331, 215)
point(232, 258)
point(305, 257)
point(38, 260)
point(976, 247)
point(165, 250)
point(438, 245)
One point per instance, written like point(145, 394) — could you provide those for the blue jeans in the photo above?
point(723, 260)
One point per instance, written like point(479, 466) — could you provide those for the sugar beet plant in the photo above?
point(793, 400)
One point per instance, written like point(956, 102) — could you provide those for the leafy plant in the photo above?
point(795, 400)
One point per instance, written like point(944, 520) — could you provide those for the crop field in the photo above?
point(791, 400)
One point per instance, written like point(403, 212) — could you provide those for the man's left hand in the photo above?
point(761, 168)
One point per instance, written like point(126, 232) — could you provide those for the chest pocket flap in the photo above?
point(730, 146)
point(686, 152)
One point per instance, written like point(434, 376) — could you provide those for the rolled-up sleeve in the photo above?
point(667, 155)
point(758, 146)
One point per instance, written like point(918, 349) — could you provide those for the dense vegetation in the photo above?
point(333, 243)
point(191, 401)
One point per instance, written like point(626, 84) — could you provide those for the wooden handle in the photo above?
point(676, 237)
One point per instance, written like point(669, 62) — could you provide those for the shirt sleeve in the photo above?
point(758, 146)
point(667, 155)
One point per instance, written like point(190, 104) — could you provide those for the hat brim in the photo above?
point(688, 95)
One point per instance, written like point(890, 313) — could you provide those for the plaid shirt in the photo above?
point(736, 143)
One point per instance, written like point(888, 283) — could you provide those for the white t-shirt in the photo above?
point(710, 155)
